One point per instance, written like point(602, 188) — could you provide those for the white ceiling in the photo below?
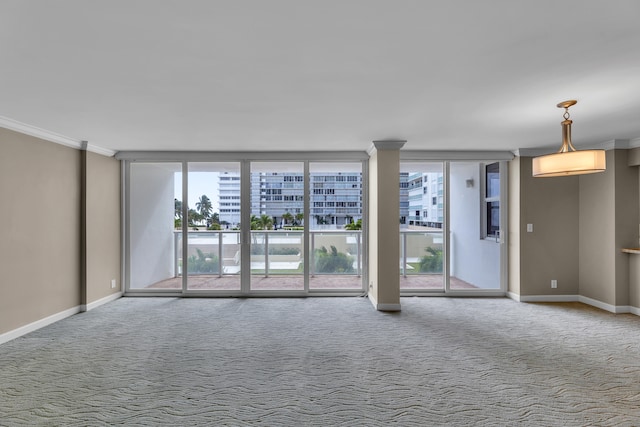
point(321, 75)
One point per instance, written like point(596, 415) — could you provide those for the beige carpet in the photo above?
point(325, 362)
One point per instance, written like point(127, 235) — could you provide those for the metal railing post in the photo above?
point(266, 254)
point(403, 237)
point(312, 254)
point(220, 254)
point(358, 251)
point(175, 252)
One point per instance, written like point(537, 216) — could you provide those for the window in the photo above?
point(491, 201)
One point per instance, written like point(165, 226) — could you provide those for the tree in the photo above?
point(299, 218)
point(431, 263)
point(287, 217)
point(215, 218)
point(354, 225)
point(193, 217)
point(264, 222)
point(204, 206)
point(332, 262)
point(178, 208)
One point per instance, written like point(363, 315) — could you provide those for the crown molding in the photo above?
point(613, 144)
point(386, 144)
point(455, 155)
point(47, 135)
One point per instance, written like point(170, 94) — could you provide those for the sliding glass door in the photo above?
point(422, 226)
point(246, 227)
point(213, 217)
point(335, 226)
point(475, 241)
point(277, 226)
point(451, 227)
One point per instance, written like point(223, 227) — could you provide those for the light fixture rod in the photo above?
point(566, 126)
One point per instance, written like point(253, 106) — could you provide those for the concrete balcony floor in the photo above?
point(295, 282)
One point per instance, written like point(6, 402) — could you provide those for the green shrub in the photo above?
point(203, 263)
point(431, 263)
point(274, 250)
point(332, 262)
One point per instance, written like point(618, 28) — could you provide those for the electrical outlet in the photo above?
point(529, 228)
point(554, 284)
point(113, 283)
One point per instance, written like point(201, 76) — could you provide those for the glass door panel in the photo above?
point(335, 226)
point(474, 247)
point(155, 194)
point(277, 226)
point(421, 226)
point(213, 214)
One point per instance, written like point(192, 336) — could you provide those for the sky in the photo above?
point(199, 183)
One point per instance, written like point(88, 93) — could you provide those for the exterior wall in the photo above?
point(151, 219)
point(103, 231)
point(40, 215)
point(473, 259)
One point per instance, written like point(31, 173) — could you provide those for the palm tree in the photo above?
point(265, 222)
point(204, 206)
point(193, 216)
point(178, 208)
point(287, 217)
point(299, 218)
point(215, 218)
point(354, 225)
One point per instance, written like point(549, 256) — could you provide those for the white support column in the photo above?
point(384, 229)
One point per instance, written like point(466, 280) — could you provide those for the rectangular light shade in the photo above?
point(569, 163)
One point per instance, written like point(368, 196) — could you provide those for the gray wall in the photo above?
point(580, 223)
point(41, 249)
point(103, 226)
point(608, 223)
point(551, 251)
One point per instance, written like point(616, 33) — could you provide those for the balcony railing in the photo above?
point(420, 252)
point(333, 252)
point(278, 252)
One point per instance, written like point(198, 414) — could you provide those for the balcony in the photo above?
point(277, 261)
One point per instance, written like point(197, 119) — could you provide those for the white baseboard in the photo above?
point(513, 296)
point(23, 330)
point(604, 306)
point(101, 301)
point(384, 307)
point(576, 298)
point(549, 298)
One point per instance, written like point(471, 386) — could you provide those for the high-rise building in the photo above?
point(229, 198)
point(335, 198)
point(425, 194)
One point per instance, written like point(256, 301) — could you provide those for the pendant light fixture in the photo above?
point(568, 160)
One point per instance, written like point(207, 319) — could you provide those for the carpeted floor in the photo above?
point(325, 362)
